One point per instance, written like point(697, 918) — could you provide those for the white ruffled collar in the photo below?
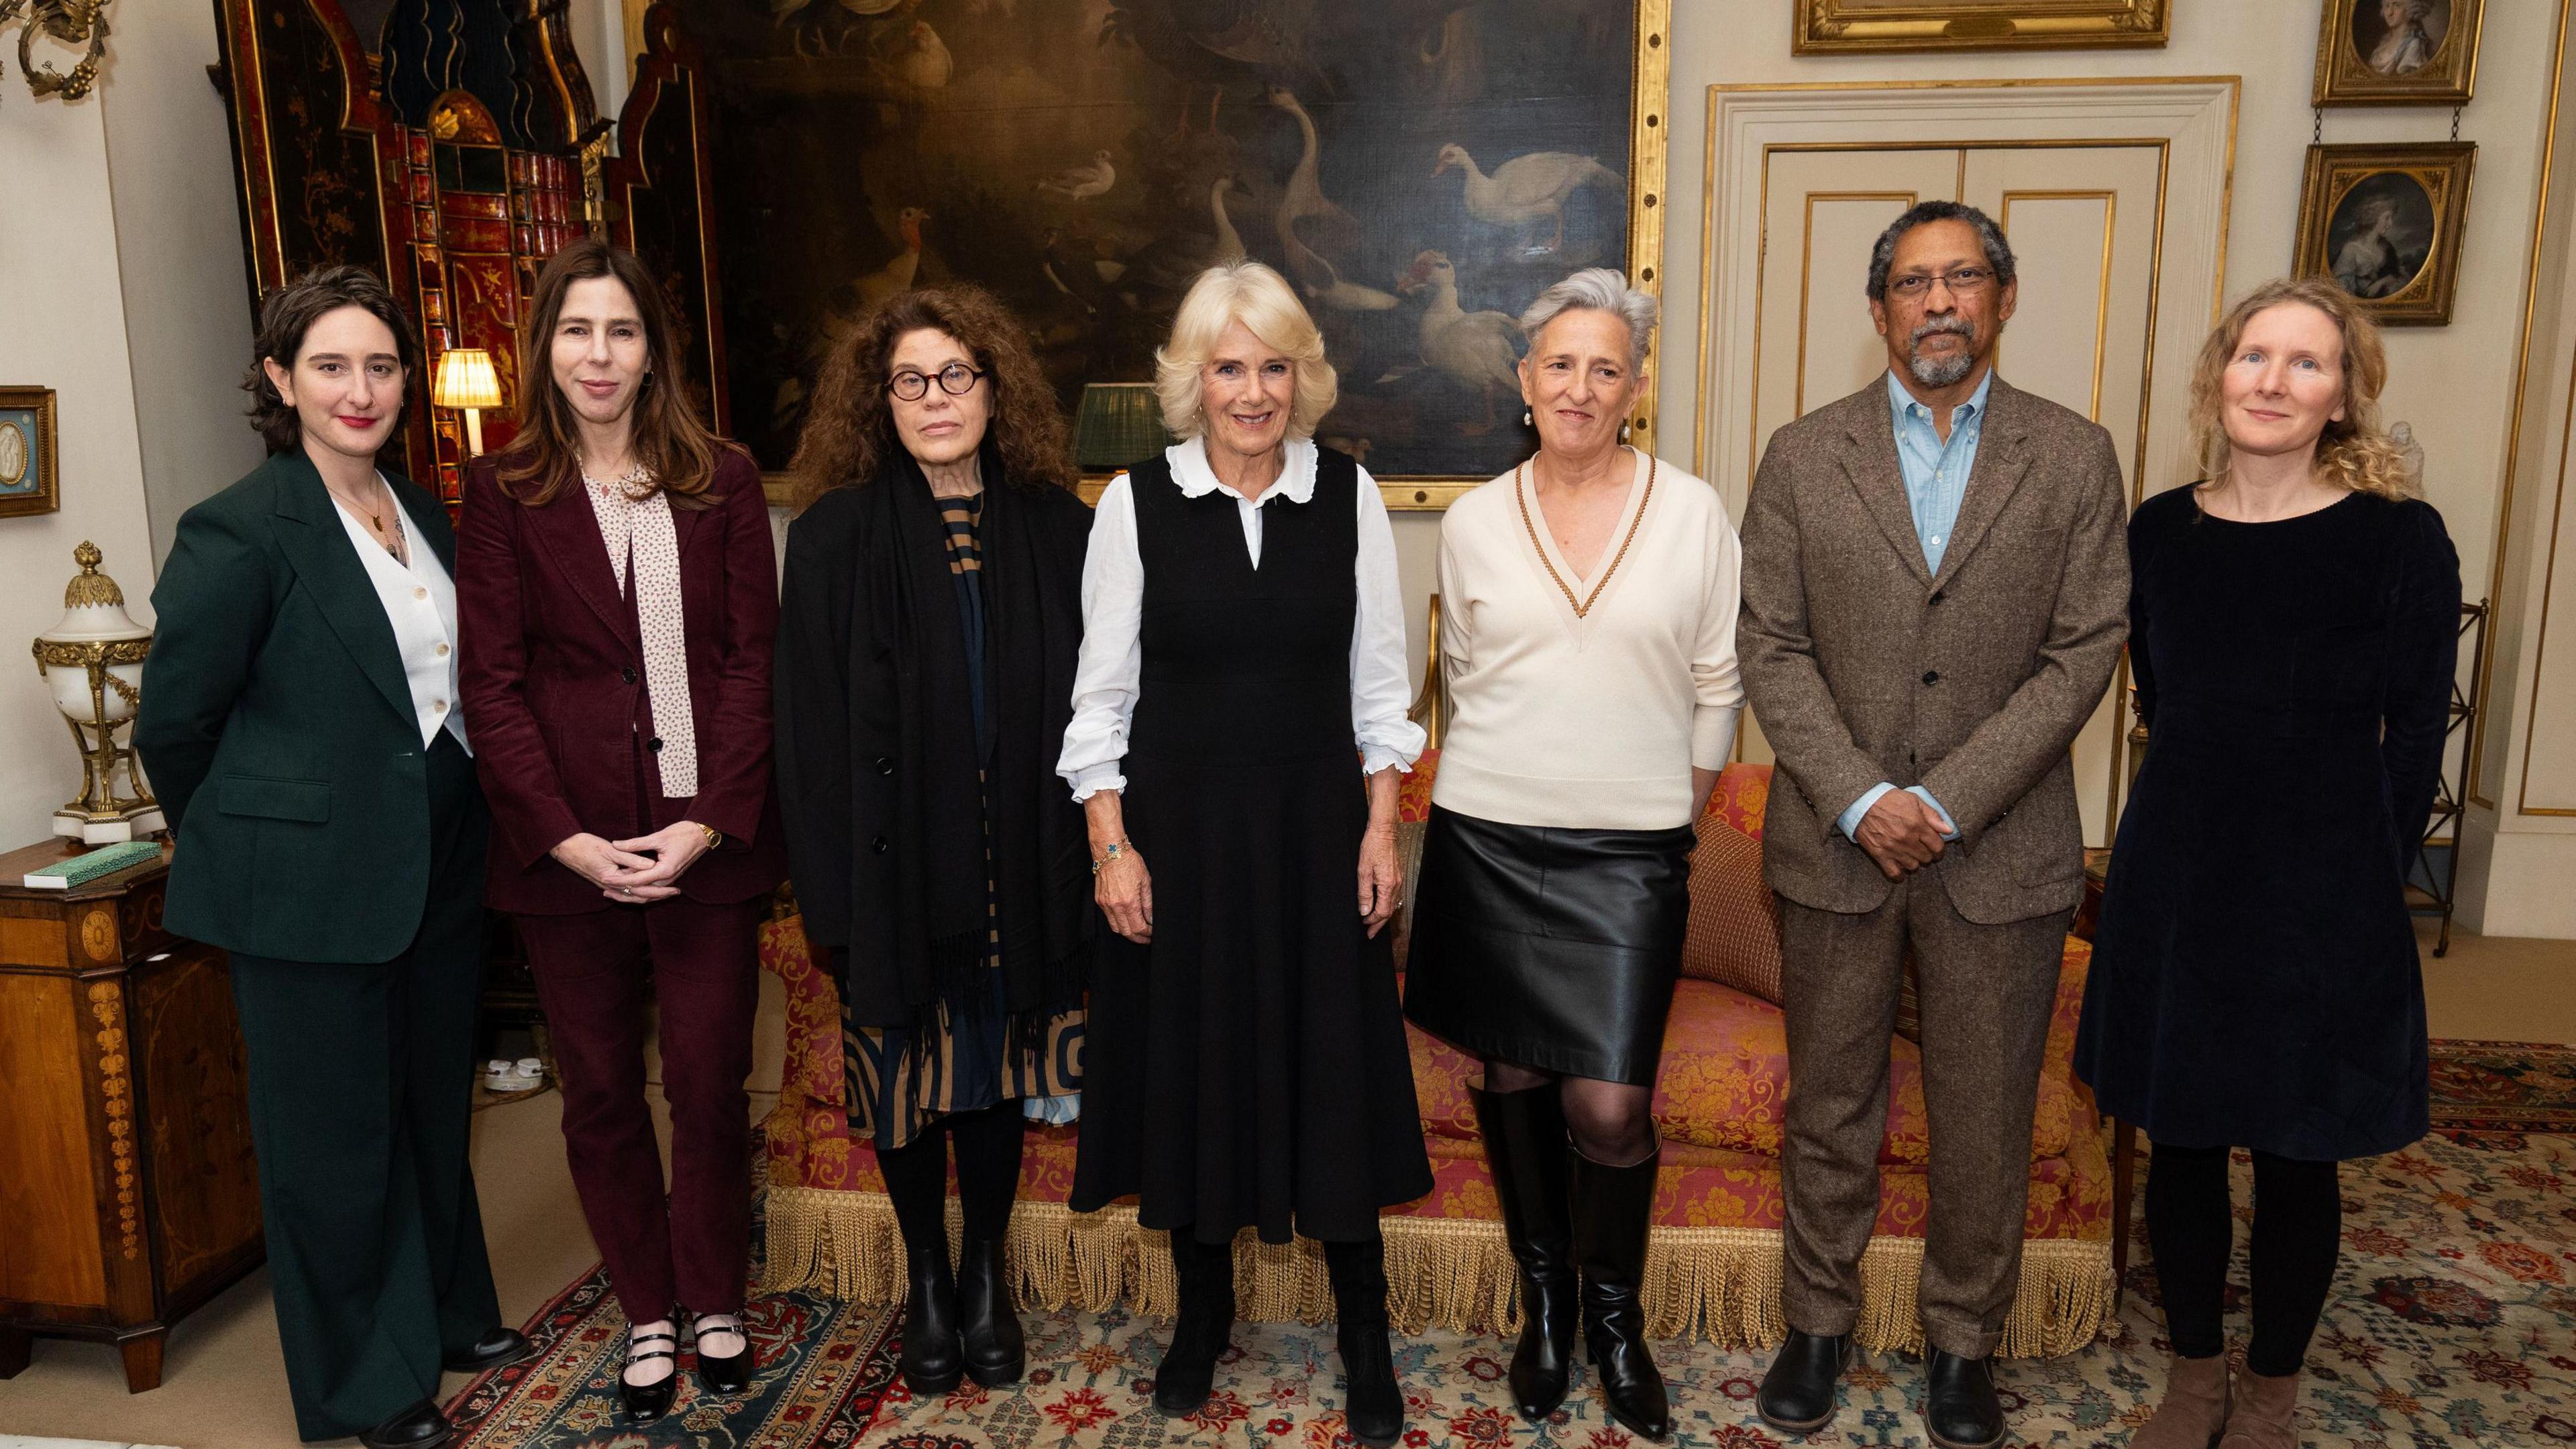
point(1190, 470)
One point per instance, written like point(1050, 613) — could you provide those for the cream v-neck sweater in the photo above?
point(1593, 722)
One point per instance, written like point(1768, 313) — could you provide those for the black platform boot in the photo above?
point(1525, 1149)
point(1206, 1324)
point(996, 1351)
point(933, 1356)
point(1373, 1403)
point(1611, 1207)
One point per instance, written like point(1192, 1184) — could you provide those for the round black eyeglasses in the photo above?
point(956, 380)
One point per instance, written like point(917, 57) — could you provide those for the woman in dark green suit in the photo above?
point(299, 723)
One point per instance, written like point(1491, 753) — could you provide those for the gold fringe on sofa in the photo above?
point(1720, 1284)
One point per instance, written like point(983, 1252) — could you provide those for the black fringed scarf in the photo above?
point(907, 599)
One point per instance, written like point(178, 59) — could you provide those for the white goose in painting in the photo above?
point(1475, 349)
point(1526, 191)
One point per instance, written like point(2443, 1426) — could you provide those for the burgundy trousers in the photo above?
point(694, 1252)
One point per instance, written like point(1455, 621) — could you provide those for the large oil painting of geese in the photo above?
point(1420, 169)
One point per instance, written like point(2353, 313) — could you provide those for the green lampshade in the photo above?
point(1118, 423)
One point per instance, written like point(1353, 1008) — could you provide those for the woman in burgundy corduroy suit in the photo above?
point(617, 595)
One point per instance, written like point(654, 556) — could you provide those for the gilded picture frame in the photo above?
point(2398, 52)
point(30, 467)
point(1879, 27)
point(819, 210)
point(2386, 223)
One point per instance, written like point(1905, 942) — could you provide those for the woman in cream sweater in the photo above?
point(1590, 595)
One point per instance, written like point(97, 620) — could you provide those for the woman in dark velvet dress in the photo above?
point(1238, 732)
point(930, 614)
point(2293, 627)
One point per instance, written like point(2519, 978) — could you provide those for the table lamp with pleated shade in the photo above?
point(466, 380)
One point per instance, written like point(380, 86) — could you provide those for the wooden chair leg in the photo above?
point(142, 1361)
point(2124, 1177)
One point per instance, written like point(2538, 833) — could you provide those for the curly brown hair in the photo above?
point(677, 450)
point(2355, 452)
point(849, 432)
point(289, 312)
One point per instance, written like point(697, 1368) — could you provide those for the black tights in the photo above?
point(2298, 1233)
point(988, 1174)
point(1613, 1123)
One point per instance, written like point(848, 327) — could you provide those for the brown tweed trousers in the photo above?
point(1864, 665)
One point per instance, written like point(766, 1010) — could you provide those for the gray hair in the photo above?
point(1999, 253)
point(1595, 289)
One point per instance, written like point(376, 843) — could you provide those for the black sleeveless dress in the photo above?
point(1248, 1065)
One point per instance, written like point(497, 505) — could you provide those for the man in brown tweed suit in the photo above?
point(1935, 588)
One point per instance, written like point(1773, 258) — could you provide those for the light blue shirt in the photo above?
point(1936, 479)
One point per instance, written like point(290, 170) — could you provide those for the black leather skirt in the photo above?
point(1551, 949)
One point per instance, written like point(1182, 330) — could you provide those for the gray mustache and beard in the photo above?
point(1941, 371)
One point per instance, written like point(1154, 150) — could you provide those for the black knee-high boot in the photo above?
point(1206, 1323)
point(1611, 1209)
point(1525, 1148)
point(1373, 1403)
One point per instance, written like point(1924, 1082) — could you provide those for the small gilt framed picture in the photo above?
point(1835, 27)
point(2397, 52)
point(27, 462)
point(2386, 223)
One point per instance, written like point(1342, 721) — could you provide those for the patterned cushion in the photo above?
point(1734, 934)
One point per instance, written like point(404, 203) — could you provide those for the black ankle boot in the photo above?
point(1373, 1403)
point(1798, 1393)
point(933, 1356)
point(1611, 1208)
point(1525, 1149)
point(1188, 1372)
point(996, 1352)
point(1960, 1407)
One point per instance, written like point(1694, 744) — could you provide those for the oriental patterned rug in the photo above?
point(2506, 1086)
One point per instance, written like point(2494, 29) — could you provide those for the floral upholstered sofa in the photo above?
point(1713, 1267)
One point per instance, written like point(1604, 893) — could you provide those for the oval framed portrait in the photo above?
point(2386, 223)
point(15, 453)
point(2397, 52)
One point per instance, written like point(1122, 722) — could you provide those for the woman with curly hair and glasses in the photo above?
point(932, 614)
point(2293, 626)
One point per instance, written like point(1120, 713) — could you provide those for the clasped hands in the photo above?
point(642, 869)
point(1901, 833)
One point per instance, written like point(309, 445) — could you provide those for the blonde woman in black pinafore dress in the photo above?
point(1239, 728)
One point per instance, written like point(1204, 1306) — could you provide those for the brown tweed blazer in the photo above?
point(1862, 665)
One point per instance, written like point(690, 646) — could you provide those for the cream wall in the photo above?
point(63, 326)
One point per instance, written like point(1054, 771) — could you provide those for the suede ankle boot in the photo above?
point(1373, 1403)
point(2261, 1416)
point(1525, 1150)
point(2193, 1409)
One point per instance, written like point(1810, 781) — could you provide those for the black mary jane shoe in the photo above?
point(421, 1426)
point(1798, 1394)
point(648, 1402)
point(724, 1374)
point(499, 1348)
point(1960, 1408)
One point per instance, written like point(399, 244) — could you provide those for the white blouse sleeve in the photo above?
point(1380, 691)
point(1717, 682)
point(1106, 674)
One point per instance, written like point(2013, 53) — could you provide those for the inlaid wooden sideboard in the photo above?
point(128, 1192)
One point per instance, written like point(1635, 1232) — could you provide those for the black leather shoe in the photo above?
point(1525, 1149)
point(499, 1348)
point(421, 1426)
point(996, 1350)
point(648, 1402)
point(1960, 1410)
point(1798, 1394)
point(1188, 1371)
point(1611, 1205)
point(724, 1374)
point(934, 1357)
point(1373, 1402)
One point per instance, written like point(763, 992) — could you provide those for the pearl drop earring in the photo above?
point(1526, 419)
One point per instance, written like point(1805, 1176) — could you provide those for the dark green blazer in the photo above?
point(277, 728)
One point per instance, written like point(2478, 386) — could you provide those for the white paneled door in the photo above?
point(2082, 220)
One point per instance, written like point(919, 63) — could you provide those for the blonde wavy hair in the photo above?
point(1261, 299)
point(2352, 452)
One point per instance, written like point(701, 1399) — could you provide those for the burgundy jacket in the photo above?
point(554, 698)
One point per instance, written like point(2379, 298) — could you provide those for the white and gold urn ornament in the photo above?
point(94, 660)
